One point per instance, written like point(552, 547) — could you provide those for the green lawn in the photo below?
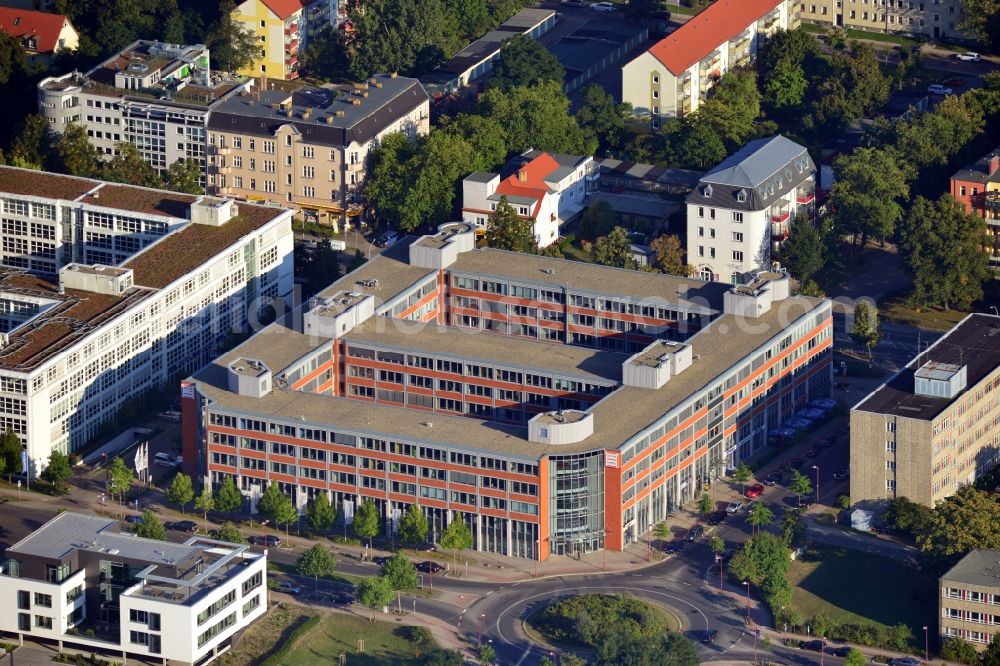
point(385, 644)
point(895, 308)
point(851, 586)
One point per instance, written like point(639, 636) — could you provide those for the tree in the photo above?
point(320, 513)
point(785, 86)
point(184, 176)
point(733, 109)
point(759, 516)
point(669, 255)
point(205, 502)
point(228, 498)
point(524, 62)
point(742, 476)
point(662, 531)
point(119, 478)
point(375, 592)
point(32, 145)
point(130, 167)
point(441, 657)
point(485, 135)
point(602, 118)
point(717, 545)
point(413, 525)
point(981, 18)
point(855, 658)
point(941, 246)
point(11, 58)
point(74, 155)
point(804, 251)
point(58, 469)
point(705, 504)
point(645, 11)
point(10, 451)
point(865, 196)
point(366, 520)
point(315, 562)
point(956, 649)
point(991, 657)
point(181, 491)
point(276, 506)
point(457, 536)
point(791, 527)
point(907, 516)
point(400, 572)
point(388, 178)
point(597, 220)
point(233, 46)
point(965, 521)
point(325, 56)
point(570, 659)
point(150, 527)
point(536, 117)
point(867, 330)
point(505, 230)
point(434, 179)
point(231, 533)
point(615, 249)
point(800, 485)
point(763, 560)
point(486, 656)
point(698, 146)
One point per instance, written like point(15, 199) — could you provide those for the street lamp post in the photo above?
point(482, 619)
point(926, 644)
point(816, 467)
point(718, 560)
point(995, 311)
point(555, 658)
point(746, 584)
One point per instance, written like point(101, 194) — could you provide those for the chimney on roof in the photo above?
point(522, 175)
point(356, 102)
point(393, 75)
point(994, 164)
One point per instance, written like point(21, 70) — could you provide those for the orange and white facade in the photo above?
point(673, 77)
point(545, 188)
point(426, 377)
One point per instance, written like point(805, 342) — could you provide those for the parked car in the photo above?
point(429, 566)
point(673, 547)
point(171, 415)
point(755, 491)
point(288, 588)
point(773, 478)
point(188, 526)
point(904, 661)
point(838, 650)
point(710, 636)
point(807, 500)
point(812, 413)
point(267, 541)
point(164, 460)
point(799, 423)
point(815, 646)
point(603, 7)
point(695, 532)
point(734, 507)
point(132, 520)
point(812, 452)
point(337, 245)
point(342, 598)
point(574, 3)
point(381, 560)
point(968, 56)
point(938, 89)
point(386, 239)
point(717, 518)
point(842, 475)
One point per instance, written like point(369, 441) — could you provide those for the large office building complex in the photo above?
point(674, 76)
point(558, 407)
point(308, 149)
point(77, 582)
point(154, 95)
point(108, 291)
point(743, 209)
point(933, 426)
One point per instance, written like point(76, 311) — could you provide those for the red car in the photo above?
point(755, 491)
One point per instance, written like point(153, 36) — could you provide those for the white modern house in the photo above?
point(546, 188)
point(673, 77)
point(741, 210)
point(78, 582)
point(109, 291)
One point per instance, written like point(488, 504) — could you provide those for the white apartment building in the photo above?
point(108, 291)
point(674, 76)
point(78, 582)
point(741, 210)
point(153, 95)
point(546, 188)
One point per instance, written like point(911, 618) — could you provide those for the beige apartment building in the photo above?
point(969, 600)
point(935, 425)
point(935, 19)
point(307, 149)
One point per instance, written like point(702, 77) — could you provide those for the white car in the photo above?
point(734, 507)
point(164, 460)
point(968, 56)
point(938, 89)
point(603, 7)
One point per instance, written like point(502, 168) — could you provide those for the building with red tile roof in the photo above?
point(41, 34)
point(547, 188)
point(674, 76)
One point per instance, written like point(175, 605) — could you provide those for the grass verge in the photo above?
point(384, 644)
point(882, 591)
point(346, 579)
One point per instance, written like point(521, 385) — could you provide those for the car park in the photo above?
point(823, 403)
point(842, 475)
point(969, 56)
point(429, 566)
point(938, 89)
point(773, 478)
point(755, 491)
point(710, 636)
point(188, 526)
point(695, 532)
point(812, 413)
point(288, 588)
point(603, 7)
point(798, 423)
point(268, 541)
point(734, 507)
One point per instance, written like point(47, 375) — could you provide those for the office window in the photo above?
point(737, 255)
point(737, 236)
point(701, 251)
point(701, 231)
point(43, 600)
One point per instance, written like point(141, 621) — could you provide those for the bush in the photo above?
point(592, 618)
point(278, 656)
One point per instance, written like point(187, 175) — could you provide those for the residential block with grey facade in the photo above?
point(969, 599)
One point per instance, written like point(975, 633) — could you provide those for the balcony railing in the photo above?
point(805, 197)
point(780, 217)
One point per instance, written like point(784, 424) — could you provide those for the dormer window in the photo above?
point(707, 192)
point(741, 196)
point(800, 165)
point(788, 174)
